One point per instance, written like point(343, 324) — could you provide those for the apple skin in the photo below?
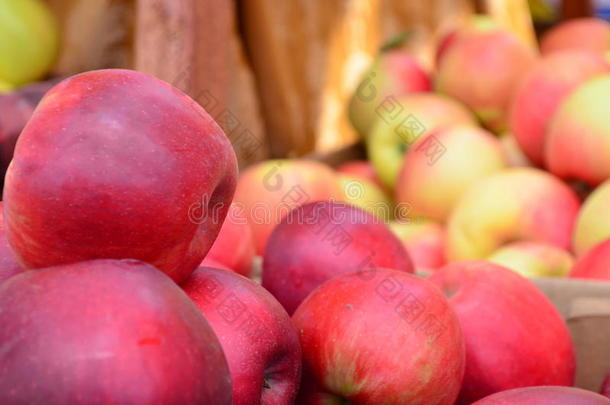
point(323, 240)
point(361, 169)
point(481, 69)
point(539, 95)
point(234, 246)
point(258, 338)
point(207, 262)
point(366, 195)
point(379, 337)
point(406, 120)
point(424, 241)
point(393, 73)
point(605, 391)
point(534, 259)
point(496, 211)
point(477, 22)
point(267, 191)
point(591, 34)
point(106, 331)
point(8, 262)
point(545, 396)
point(117, 164)
point(432, 189)
point(595, 264)
point(29, 40)
point(593, 221)
point(506, 347)
point(578, 140)
point(515, 157)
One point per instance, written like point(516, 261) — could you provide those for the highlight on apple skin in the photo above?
point(117, 332)
point(379, 337)
point(595, 264)
point(506, 347)
point(578, 140)
point(592, 34)
point(257, 336)
point(541, 92)
point(404, 120)
point(534, 259)
point(432, 190)
point(323, 240)
point(545, 395)
point(593, 221)
point(496, 211)
point(113, 164)
point(269, 190)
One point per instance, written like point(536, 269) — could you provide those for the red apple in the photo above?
point(260, 342)
point(605, 391)
point(8, 262)
point(595, 264)
point(544, 396)
point(592, 34)
point(481, 69)
point(207, 262)
point(506, 346)
point(319, 241)
point(118, 164)
point(476, 22)
point(269, 190)
point(543, 89)
point(361, 169)
point(379, 337)
point(234, 246)
point(424, 241)
point(106, 332)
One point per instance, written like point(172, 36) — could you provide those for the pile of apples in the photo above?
point(137, 267)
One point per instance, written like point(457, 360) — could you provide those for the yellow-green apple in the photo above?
point(323, 240)
point(234, 246)
point(592, 34)
point(361, 169)
point(595, 264)
point(8, 262)
point(257, 336)
point(506, 347)
point(605, 391)
point(577, 144)
point(545, 395)
point(513, 152)
point(534, 259)
point(481, 69)
point(366, 195)
point(541, 92)
point(5, 87)
point(392, 74)
point(29, 40)
point(593, 221)
point(118, 164)
point(379, 337)
point(424, 241)
point(404, 120)
point(517, 204)
point(431, 188)
point(112, 332)
point(267, 191)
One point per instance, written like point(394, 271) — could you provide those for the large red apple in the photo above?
point(506, 345)
point(541, 92)
point(591, 34)
point(595, 264)
point(234, 246)
point(106, 332)
point(545, 396)
point(323, 240)
point(269, 190)
point(118, 164)
point(259, 340)
point(379, 337)
point(8, 261)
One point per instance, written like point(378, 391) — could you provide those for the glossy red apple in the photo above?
point(118, 164)
point(106, 332)
point(234, 246)
point(8, 262)
point(260, 342)
point(595, 264)
point(545, 396)
point(507, 346)
point(379, 337)
point(323, 240)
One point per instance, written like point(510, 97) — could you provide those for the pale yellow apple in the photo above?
point(593, 222)
point(534, 259)
point(366, 195)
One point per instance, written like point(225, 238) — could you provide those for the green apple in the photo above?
point(593, 222)
point(29, 40)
